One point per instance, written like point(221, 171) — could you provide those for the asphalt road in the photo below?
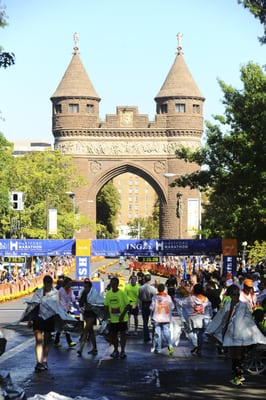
point(142, 375)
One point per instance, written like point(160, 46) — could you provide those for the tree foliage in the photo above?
point(44, 178)
point(108, 200)
point(146, 228)
point(258, 9)
point(6, 58)
point(6, 159)
point(232, 164)
point(257, 253)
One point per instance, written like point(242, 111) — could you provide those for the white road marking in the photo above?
point(17, 349)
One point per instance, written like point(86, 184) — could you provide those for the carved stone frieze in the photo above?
point(125, 148)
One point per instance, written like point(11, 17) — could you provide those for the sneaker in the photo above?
point(45, 365)
point(93, 352)
point(115, 354)
point(79, 353)
point(236, 381)
point(72, 344)
point(39, 367)
point(123, 355)
point(171, 350)
point(156, 351)
point(58, 344)
point(242, 378)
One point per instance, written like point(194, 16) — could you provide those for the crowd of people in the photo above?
point(37, 266)
point(230, 309)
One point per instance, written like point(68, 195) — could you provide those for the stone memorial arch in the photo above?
point(129, 142)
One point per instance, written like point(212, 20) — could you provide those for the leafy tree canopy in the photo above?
point(232, 164)
point(258, 9)
point(146, 228)
point(43, 178)
point(6, 59)
point(108, 200)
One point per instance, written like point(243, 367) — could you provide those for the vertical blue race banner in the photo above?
point(229, 247)
point(83, 252)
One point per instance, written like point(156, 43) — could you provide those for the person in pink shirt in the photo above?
point(66, 300)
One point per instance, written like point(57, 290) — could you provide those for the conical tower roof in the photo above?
point(179, 81)
point(75, 82)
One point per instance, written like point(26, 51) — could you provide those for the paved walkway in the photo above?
point(142, 375)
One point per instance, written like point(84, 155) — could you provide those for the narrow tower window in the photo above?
point(180, 108)
point(58, 108)
point(196, 108)
point(73, 108)
point(163, 108)
point(90, 108)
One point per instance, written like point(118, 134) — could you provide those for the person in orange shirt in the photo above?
point(161, 308)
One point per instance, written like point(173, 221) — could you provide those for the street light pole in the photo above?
point(179, 203)
point(244, 244)
point(75, 206)
point(72, 197)
point(200, 215)
point(47, 216)
point(179, 206)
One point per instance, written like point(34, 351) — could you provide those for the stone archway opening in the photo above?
point(138, 192)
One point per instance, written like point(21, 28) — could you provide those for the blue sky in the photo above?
point(127, 48)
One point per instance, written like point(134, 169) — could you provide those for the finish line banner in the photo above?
point(36, 247)
point(155, 247)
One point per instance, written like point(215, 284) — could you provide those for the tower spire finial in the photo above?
point(76, 40)
point(179, 43)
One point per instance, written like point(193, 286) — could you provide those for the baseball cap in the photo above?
point(248, 283)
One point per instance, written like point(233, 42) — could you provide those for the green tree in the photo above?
point(107, 206)
point(257, 252)
point(258, 9)
point(6, 59)
point(44, 178)
point(146, 228)
point(232, 164)
point(6, 160)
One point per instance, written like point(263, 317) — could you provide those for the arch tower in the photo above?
point(129, 142)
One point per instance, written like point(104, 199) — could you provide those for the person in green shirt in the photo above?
point(117, 305)
point(132, 291)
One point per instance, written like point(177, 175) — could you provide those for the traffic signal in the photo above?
point(16, 201)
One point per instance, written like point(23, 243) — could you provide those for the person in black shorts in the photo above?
point(43, 321)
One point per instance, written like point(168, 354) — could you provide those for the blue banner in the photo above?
point(155, 247)
point(82, 267)
point(229, 265)
point(36, 247)
point(111, 248)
